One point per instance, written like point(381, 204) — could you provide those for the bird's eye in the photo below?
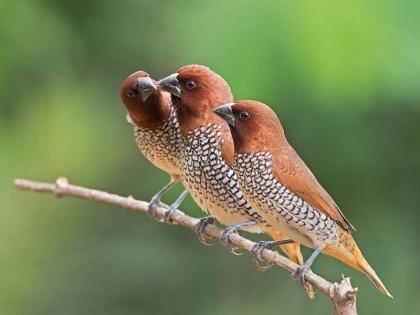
point(244, 115)
point(131, 93)
point(191, 84)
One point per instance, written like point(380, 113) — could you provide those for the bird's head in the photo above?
point(145, 104)
point(254, 126)
point(196, 91)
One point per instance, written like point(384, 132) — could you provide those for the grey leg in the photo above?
point(257, 250)
point(199, 229)
point(299, 273)
point(174, 206)
point(233, 229)
point(155, 201)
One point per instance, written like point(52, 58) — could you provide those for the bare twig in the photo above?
point(343, 295)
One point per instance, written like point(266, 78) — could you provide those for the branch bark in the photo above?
point(342, 295)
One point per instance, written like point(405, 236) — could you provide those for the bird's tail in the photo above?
point(348, 252)
point(293, 253)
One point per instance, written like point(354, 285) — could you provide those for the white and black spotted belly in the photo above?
point(280, 207)
point(161, 146)
point(211, 182)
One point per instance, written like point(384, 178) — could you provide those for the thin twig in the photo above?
point(343, 295)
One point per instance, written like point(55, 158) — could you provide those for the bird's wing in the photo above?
point(293, 173)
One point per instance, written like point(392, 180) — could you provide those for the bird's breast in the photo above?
point(279, 206)
point(162, 146)
point(210, 180)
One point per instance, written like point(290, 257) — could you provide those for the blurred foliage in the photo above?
point(343, 77)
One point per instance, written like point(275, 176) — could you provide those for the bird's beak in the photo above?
point(171, 85)
point(225, 112)
point(146, 87)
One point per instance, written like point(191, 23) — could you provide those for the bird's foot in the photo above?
point(168, 214)
point(257, 260)
point(225, 240)
point(173, 207)
point(299, 274)
point(155, 201)
point(167, 218)
point(199, 229)
point(151, 209)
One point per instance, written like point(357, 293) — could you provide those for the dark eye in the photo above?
point(131, 93)
point(244, 115)
point(191, 84)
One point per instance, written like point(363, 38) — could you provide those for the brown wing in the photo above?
point(293, 173)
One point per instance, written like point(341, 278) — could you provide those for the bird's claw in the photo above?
point(199, 229)
point(167, 217)
point(257, 259)
point(299, 274)
point(168, 213)
point(225, 240)
point(151, 209)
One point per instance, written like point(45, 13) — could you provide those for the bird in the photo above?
point(156, 131)
point(283, 190)
point(196, 91)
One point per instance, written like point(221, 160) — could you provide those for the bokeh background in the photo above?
point(343, 76)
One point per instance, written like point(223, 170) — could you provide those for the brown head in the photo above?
point(196, 91)
point(147, 106)
point(254, 126)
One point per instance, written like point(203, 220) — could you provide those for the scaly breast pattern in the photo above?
point(211, 182)
point(162, 146)
point(280, 207)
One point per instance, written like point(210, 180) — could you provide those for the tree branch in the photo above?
point(343, 295)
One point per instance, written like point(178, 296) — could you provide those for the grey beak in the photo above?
point(171, 85)
point(225, 112)
point(146, 87)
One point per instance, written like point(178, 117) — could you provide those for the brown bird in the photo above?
point(156, 130)
point(278, 184)
point(196, 91)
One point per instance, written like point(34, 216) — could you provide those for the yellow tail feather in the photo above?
point(349, 253)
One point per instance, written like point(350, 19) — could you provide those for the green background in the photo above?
point(344, 78)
